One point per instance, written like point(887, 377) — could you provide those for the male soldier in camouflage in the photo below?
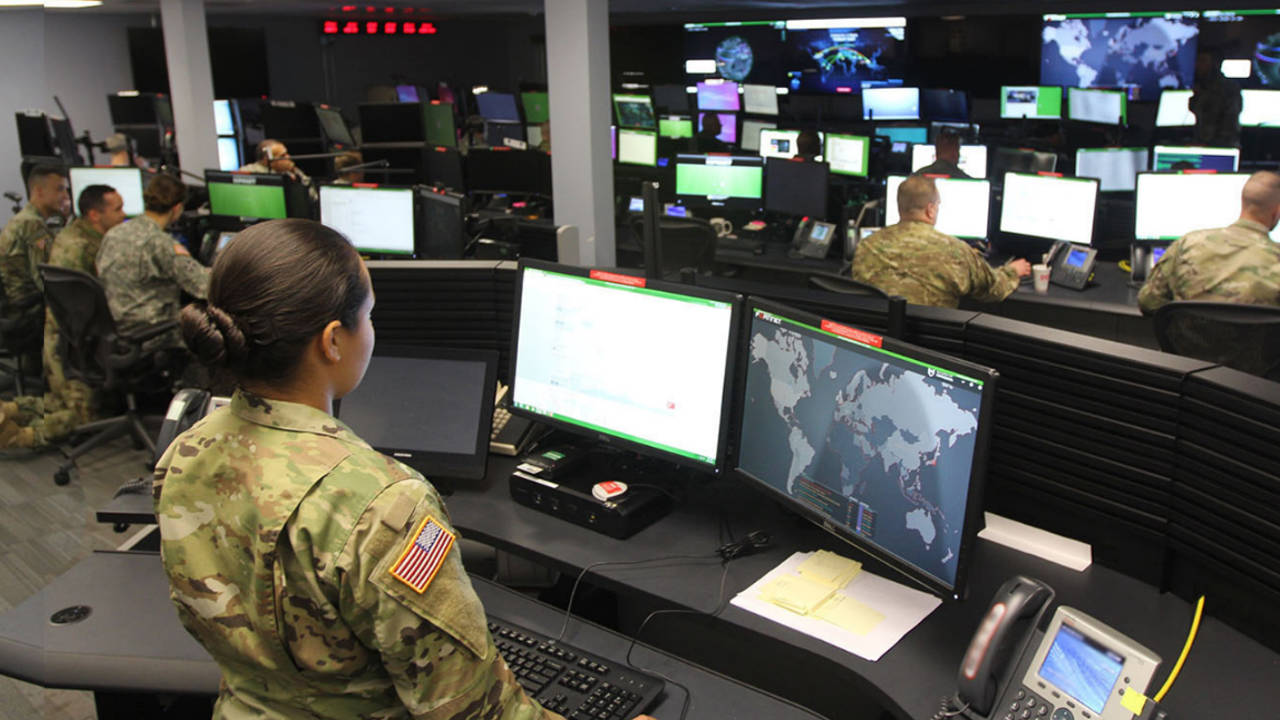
point(25, 241)
point(1216, 102)
point(1238, 263)
point(273, 157)
point(144, 271)
point(284, 535)
point(947, 151)
point(35, 421)
point(927, 267)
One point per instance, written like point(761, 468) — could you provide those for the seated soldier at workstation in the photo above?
point(808, 145)
point(144, 270)
point(273, 157)
point(947, 150)
point(707, 140)
point(25, 241)
point(32, 421)
point(346, 160)
point(927, 267)
point(1238, 263)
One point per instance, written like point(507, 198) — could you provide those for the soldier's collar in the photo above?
point(86, 227)
point(290, 416)
point(1251, 225)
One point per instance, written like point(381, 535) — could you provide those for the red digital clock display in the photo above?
point(377, 27)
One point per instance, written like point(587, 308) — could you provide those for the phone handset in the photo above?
point(802, 233)
point(1003, 633)
point(1059, 247)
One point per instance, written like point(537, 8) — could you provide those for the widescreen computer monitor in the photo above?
point(1034, 102)
point(634, 111)
point(637, 147)
point(881, 443)
point(246, 196)
point(946, 105)
point(1142, 52)
point(1021, 160)
point(676, 126)
point(376, 220)
point(796, 187)
point(126, 181)
point(536, 106)
point(904, 133)
point(229, 154)
point(672, 98)
point(1175, 157)
point(1047, 206)
point(751, 130)
point(334, 126)
point(1174, 109)
point(391, 122)
point(847, 154)
point(891, 103)
point(722, 95)
point(1098, 106)
point(973, 159)
point(441, 130)
point(407, 93)
point(760, 99)
point(442, 224)
point(1170, 205)
point(497, 107)
point(780, 143)
point(833, 56)
point(1115, 168)
point(504, 170)
point(735, 181)
point(728, 126)
point(964, 210)
point(628, 361)
point(222, 121)
point(429, 407)
point(1260, 108)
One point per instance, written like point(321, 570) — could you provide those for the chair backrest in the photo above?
point(21, 329)
point(686, 242)
point(1244, 337)
point(846, 285)
point(85, 325)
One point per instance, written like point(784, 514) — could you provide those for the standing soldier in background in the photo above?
point(25, 241)
point(1216, 102)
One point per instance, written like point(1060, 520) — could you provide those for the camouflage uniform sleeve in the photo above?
point(1158, 289)
point(435, 645)
point(27, 247)
point(192, 277)
point(988, 284)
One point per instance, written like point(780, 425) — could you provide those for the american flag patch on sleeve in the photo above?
point(424, 555)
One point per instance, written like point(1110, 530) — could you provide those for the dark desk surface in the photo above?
point(1108, 293)
point(132, 642)
point(921, 668)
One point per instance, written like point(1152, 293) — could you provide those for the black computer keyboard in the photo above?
point(566, 680)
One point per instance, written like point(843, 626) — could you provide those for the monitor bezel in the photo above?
point(984, 181)
point(1124, 106)
point(229, 177)
point(1099, 150)
point(613, 440)
point(729, 203)
point(817, 168)
point(977, 471)
point(1062, 96)
point(866, 153)
point(413, 214)
point(1137, 181)
point(1231, 152)
point(1093, 223)
point(447, 466)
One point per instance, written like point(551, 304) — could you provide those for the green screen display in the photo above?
point(713, 181)
point(1035, 102)
point(438, 117)
point(536, 107)
point(675, 127)
point(253, 201)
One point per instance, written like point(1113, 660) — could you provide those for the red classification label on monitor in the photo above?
point(617, 278)
point(853, 334)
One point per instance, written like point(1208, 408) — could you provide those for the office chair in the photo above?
point(1244, 337)
point(21, 337)
point(685, 243)
point(95, 352)
point(846, 285)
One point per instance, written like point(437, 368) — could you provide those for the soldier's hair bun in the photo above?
point(213, 336)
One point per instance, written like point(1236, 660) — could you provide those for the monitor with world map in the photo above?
point(1143, 52)
point(880, 442)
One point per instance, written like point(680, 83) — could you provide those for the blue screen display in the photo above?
point(1076, 258)
point(497, 106)
point(1156, 254)
point(1081, 668)
point(904, 134)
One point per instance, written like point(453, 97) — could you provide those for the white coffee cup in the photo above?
point(1040, 275)
point(721, 226)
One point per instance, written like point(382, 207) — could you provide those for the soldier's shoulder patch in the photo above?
point(422, 557)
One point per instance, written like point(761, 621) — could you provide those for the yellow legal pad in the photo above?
point(795, 593)
point(829, 568)
point(849, 614)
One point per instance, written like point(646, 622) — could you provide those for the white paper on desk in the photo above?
point(903, 608)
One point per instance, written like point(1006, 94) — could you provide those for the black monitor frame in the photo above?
point(977, 472)
point(732, 351)
point(428, 247)
point(285, 120)
point(337, 134)
point(1093, 221)
point(297, 201)
point(521, 171)
point(729, 203)
point(389, 122)
point(783, 177)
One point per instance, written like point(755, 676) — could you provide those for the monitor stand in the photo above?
point(594, 487)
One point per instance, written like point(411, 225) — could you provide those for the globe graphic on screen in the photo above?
point(1266, 60)
point(734, 58)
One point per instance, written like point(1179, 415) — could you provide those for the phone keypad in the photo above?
point(1026, 705)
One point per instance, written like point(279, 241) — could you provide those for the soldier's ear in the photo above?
point(329, 343)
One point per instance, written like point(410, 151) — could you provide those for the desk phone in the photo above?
point(813, 238)
point(1071, 265)
point(1078, 669)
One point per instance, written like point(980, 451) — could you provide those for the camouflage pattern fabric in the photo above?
point(144, 278)
point(928, 267)
point(1238, 263)
point(24, 243)
point(279, 528)
point(942, 167)
point(1216, 105)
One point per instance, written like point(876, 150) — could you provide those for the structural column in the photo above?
point(581, 163)
point(186, 48)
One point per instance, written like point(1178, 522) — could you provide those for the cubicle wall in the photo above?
point(1169, 467)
